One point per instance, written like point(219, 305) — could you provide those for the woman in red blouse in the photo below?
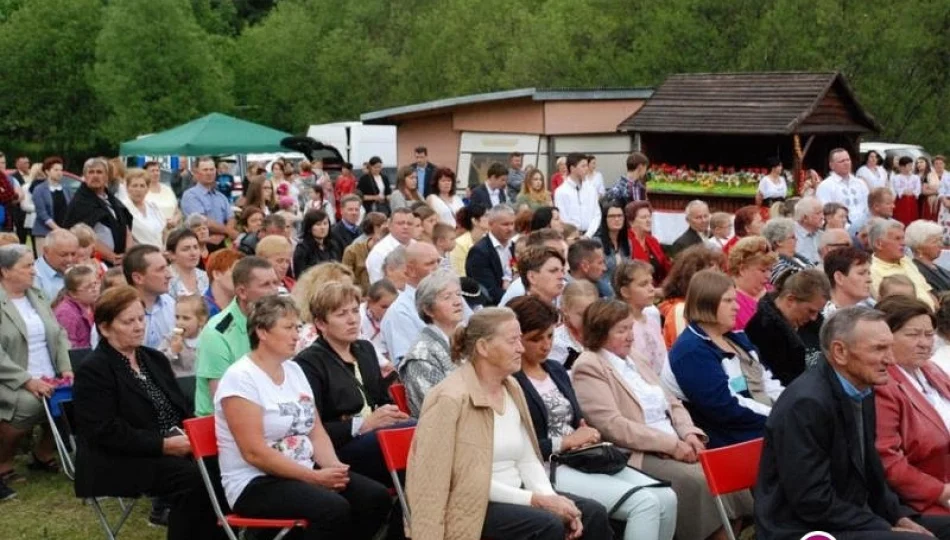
point(643, 245)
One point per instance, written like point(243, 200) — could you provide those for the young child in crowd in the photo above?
point(571, 234)
point(379, 297)
point(319, 202)
point(345, 184)
point(113, 277)
point(720, 229)
point(577, 296)
point(87, 248)
point(289, 209)
point(897, 284)
point(443, 237)
point(191, 314)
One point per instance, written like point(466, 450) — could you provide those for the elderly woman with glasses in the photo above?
point(913, 411)
point(780, 234)
point(429, 360)
point(925, 240)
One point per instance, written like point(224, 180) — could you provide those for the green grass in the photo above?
point(47, 509)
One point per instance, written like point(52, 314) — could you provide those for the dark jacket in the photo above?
point(480, 196)
point(119, 441)
point(937, 277)
point(343, 236)
point(367, 186)
point(484, 266)
point(308, 254)
point(87, 207)
point(810, 474)
point(427, 183)
point(336, 389)
point(537, 408)
point(787, 352)
point(687, 239)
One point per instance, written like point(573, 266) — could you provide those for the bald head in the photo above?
point(421, 259)
point(831, 240)
point(60, 249)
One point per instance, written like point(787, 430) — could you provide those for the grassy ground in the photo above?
point(46, 509)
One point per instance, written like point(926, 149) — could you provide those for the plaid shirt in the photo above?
point(626, 191)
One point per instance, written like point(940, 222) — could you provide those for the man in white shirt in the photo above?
point(400, 234)
point(401, 324)
point(843, 187)
point(809, 217)
point(576, 199)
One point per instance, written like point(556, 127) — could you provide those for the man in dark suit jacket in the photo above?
point(425, 171)
point(697, 216)
point(347, 229)
point(489, 260)
point(492, 192)
point(819, 469)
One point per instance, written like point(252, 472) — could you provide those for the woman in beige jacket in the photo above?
point(475, 469)
point(623, 398)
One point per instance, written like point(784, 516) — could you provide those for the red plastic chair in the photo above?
point(730, 469)
point(397, 391)
point(395, 445)
point(204, 444)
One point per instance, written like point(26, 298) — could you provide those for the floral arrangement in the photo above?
point(707, 178)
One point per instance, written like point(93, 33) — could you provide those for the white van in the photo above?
point(892, 150)
point(358, 142)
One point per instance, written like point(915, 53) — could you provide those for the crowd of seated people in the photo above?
point(296, 318)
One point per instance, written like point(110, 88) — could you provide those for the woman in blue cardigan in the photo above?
point(650, 513)
point(51, 198)
point(725, 387)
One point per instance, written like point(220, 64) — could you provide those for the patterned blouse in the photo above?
point(168, 416)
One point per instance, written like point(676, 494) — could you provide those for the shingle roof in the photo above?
point(752, 103)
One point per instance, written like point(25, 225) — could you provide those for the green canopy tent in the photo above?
point(215, 134)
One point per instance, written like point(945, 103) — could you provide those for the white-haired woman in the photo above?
point(33, 348)
point(429, 360)
point(780, 234)
point(925, 240)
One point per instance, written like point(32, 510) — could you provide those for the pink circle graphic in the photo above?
point(818, 535)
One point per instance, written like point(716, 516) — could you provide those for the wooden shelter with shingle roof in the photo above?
point(743, 119)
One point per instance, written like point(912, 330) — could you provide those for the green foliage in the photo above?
point(46, 50)
point(79, 73)
point(155, 76)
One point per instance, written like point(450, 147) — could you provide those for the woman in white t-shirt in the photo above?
point(276, 458)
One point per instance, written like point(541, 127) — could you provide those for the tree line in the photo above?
point(80, 77)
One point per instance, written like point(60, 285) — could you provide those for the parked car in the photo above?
point(892, 150)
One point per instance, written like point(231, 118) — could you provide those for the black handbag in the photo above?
point(600, 458)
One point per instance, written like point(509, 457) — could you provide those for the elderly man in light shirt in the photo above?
point(576, 199)
point(843, 187)
point(59, 253)
point(886, 238)
point(401, 324)
point(400, 234)
point(809, 217)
